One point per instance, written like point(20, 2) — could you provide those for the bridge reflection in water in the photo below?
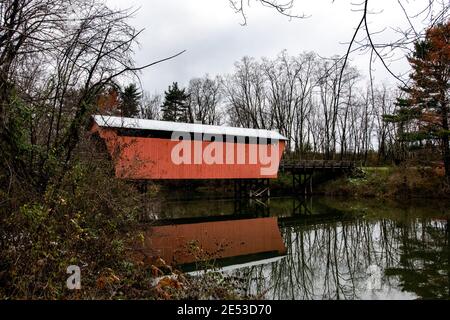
point(191, 246)
point(333, 246)
point(244, 232)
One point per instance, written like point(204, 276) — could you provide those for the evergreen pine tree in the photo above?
point(176, 104)
point(130, 99)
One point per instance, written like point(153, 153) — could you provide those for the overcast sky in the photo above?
point(213, 38)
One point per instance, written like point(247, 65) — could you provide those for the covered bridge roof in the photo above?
point(142, 124)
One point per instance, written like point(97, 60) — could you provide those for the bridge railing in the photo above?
point(316, 164)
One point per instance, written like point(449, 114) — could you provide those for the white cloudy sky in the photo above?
point(213, 38)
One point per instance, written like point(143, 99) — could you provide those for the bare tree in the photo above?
point(205, 100)
point(285, 8)
point(301, 98)
point(150, 107)
point(247, 97)
point(364, 40)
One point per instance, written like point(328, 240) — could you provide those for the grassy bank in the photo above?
point(389, 182)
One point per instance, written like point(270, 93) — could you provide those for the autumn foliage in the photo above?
point(108, 102)
point(424, 113)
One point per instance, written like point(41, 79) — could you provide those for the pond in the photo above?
point(317, 248)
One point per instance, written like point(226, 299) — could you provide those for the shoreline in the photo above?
point(384, 183)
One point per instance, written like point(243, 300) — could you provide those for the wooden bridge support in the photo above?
point(302, 172)
point(252, 195)
point(300, 206)
point(253, 207)
point(252, 188)
point(302, 182)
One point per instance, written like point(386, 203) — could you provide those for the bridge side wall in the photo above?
point(141, 158)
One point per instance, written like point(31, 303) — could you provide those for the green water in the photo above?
point(337, 249)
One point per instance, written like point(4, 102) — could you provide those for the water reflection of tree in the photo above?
point(424, 259)
point(330, 261)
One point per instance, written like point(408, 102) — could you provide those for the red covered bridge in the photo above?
point(152, 150)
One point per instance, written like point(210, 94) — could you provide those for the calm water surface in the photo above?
point(320, 248)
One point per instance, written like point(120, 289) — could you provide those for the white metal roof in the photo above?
point(142, 124)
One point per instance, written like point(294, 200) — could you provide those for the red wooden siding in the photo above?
point(150, 158)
